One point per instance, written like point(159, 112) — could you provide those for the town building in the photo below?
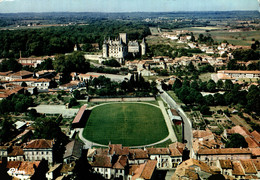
point(235, 75)
point(39, 149)
point(210, 156)
point(192, 169)
point(73, 151)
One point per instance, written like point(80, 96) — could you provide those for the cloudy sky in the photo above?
point(10, 6)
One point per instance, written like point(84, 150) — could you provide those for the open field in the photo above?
point(205, 76)
point(155, 40)
point(219, 35)
point(130, 124)
point(236, 38)
point(201, 29)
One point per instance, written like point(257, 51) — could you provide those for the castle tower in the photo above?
point(105, 49)
point(143, 47)
point(123, 36)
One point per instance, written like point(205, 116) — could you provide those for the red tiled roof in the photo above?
point(22, 73)
point(79, 114)
point(225, 164)
point(149, 169)
point(175, 152)
point(13, 164)
point(102, 161)
point(158, 151)
point(239, 72)
point(237, 169)
point(248, 166)
point(29, 167)
point(118, 149)
point(31, 80)
point(224, 151)
point(255, 151)
point(251, 142)
point(240, 130)
point(256, 163)
point(16, 151)
point(202, 133)
point(121, 162)
point(5, 73)
point(40, 144)
point(138, 154)
point(256, 136)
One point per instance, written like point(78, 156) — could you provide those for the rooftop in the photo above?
point(79, 114)
point(40, 144)
point(155, 151)
point(224, 151)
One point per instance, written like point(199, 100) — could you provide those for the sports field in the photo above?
point(130, 124)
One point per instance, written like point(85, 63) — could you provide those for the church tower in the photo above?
point(143, 47)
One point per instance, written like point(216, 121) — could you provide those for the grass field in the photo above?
point(174, 97)
point(236, 38)
point(130, 124)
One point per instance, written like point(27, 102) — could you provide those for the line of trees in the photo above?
point(137, 86)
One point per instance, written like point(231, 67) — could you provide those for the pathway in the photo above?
point(168, 122)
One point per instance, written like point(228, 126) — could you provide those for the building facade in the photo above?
point(121, 47)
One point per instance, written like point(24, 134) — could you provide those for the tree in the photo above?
point(204, 109)
point(76, 94)
point(73, 102)
point(211, 86)
point(219, 99)
point(220, 84)
point(210, 100)
point(194, 85)
point(10, 65)
point(71, 63)
point(7, 131)
point(253, 99)
point(236, 141)
point(45, 65)
point(83, 170)
point(24, 84)
point(111, 63)
point(177, 84)
point(48, 128)
point(228, 85)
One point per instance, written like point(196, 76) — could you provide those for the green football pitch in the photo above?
point(130, 124)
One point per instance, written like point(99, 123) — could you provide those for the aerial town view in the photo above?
point(129, 90)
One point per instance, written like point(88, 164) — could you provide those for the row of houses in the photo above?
point(118, 161)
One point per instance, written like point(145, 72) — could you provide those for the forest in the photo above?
point(60, 40)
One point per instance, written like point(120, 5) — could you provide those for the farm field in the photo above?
point(130, 124)
point(219, 35)
point(236, 38)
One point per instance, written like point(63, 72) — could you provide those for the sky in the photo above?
point(13, 6)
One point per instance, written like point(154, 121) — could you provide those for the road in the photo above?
point(187, 123)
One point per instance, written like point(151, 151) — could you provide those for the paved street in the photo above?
point(187, 123)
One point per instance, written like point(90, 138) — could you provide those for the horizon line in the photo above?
point(129, 11)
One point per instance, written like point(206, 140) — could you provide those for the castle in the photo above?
point(120, 48)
